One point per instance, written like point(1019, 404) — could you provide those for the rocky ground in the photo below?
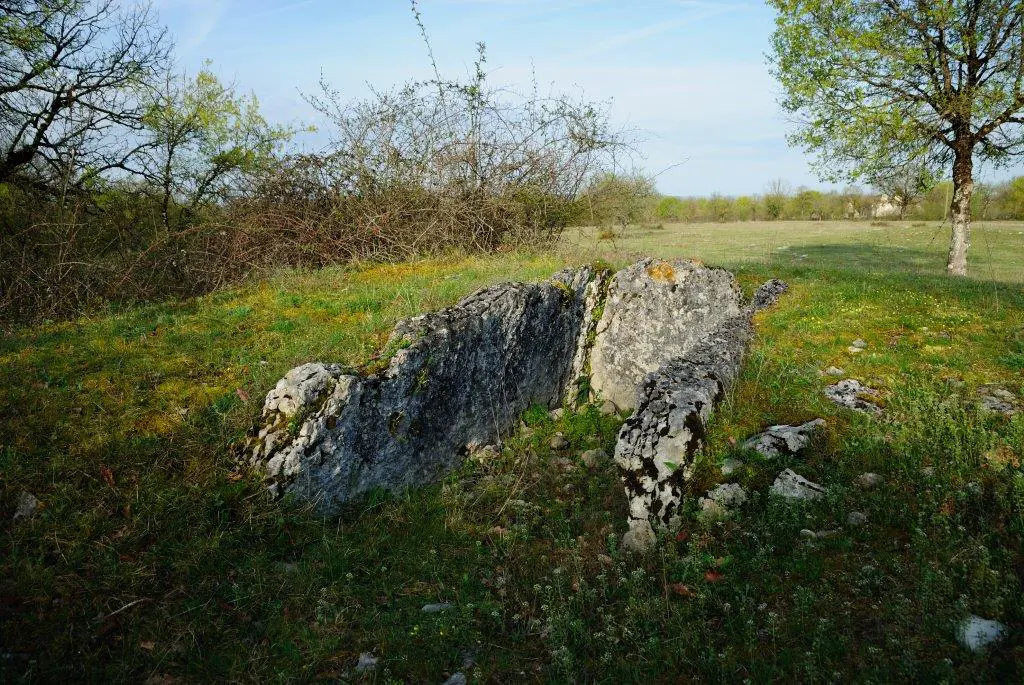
point(135, 551)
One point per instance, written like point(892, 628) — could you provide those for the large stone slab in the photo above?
point(655, 311)
point(458, 377)
point(658, 444)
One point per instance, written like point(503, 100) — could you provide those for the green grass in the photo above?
point(903, 247)
point(152, 558)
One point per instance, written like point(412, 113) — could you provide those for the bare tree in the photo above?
point(448, 163)
point(71, 72)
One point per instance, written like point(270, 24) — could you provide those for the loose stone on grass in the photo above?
point(367, 662)
point(456, 679)
point(851, 394)
point(594, 458)
point(834, 371)
point(785, 440)
point(791, 485)
point(486, 453)
point(809, 534)
point(767, 295)
point(868, 481)
point(558, 442)
point(722, 500)
point(857, 518)
point(731, 466)
point(436, 608)
point(976, 633)
point(640, 537)
point(997, 400)
point(26, 507)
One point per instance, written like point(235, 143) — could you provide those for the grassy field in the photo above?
point(152, 559)
point(882, 247)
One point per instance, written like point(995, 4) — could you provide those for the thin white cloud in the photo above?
point(705, 10)
point(279, 9)
point(198, 19)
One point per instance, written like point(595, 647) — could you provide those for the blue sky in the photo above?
point(689, 74)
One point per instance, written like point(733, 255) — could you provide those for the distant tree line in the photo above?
point(616, 201)
point(124, 179)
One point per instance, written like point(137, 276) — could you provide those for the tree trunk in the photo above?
point(960, 212)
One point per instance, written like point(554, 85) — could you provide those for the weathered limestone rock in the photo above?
point(783, 440)
point(722, 500)
point(26, 507)
point(459, 378)
point(768, 294)
point(436, 608)
point(595, 296)
point(659, 442)
point(976, 633)
point(857, 518)
point(868, 481)
point(852, 395)
point(996, 399)
point(794, 486)
point(656, 311)
point(594, 458)
point(367, 663)
point(731, 466)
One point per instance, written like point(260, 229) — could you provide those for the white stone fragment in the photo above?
point(783, 440)
point(975, 633)
point(367, 662)
point(793, 486)
point(26, 507)
point(851, 394)
point(868, 481)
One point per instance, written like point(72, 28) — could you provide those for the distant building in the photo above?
point(885, 208)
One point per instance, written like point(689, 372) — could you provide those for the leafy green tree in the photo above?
point(621, 200)
point(718, 207)
point(1014, 195)
point(669, 209)
point(745, 208)
point(775, 198)
point(807, 204)
point(881, 83)
point(206, 139)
